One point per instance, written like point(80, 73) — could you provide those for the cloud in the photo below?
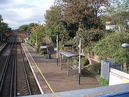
point(3, 1)
point(19, 12)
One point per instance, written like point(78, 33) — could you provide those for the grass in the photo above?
point(104, 82)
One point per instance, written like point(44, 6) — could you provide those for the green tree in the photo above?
point(1, 18)
point(118, 13)
point(55, 24)
point(110, 48)
point(82, 11)
point(23, 28)
point(30, 26)
point(3, 27)
point(53, 16)
point(89, 37)
point(58, 29)
point(39, 33)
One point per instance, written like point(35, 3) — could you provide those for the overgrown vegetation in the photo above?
point(110, 47)
point(3, 28)
point(87, 20)
point(103, 82)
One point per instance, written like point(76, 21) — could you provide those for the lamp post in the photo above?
point(125, 45)
point(57, 45)
point(79, 63)
point(36, 40)
point(79, 67)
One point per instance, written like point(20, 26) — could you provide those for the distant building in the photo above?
point(110, 26)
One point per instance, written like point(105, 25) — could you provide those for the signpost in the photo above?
point(43, 47)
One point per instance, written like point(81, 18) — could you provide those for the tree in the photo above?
point(23, 28)
point(39, 33)
point(118, 13)
point(53, 16)
point(89, 37)
point(55, 24)
point(1, 19)
point(83, 12)
point(28, 27)
point(110, 48)
point(3, 28)
point(58, 29)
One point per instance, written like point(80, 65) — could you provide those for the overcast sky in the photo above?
point(19, 12)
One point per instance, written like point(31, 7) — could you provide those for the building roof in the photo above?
point(68, 54)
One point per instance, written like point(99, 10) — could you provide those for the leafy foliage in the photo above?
point(23, 28)
point(53, 16)
point(27, 27)
point(55, 25)
point(39, 33)
point(110, 48)
point(104, 82)
point(57, 29)
point(82, 11)
point(4, 26)
point(118, 13)
point(91, 36)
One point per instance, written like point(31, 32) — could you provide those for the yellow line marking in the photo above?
point(33, 72)
point(49, 86)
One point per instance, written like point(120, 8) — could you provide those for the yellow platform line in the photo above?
point(49, 86)
point(33, 71)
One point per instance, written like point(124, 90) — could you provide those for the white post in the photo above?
point(57, 41)
point(80, 56)
point(79, 67)
point(36, 40)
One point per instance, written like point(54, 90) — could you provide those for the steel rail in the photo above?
point(13, 78)
point(25, 72)
point(4, 72)
point(15, 74)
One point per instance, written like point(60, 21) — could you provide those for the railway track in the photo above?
point(29, 85)
point(7, 77)
point(44, 85)
point(16, 77)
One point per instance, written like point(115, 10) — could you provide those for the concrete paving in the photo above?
point(58, 79)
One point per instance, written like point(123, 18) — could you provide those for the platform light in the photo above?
point(125, 45)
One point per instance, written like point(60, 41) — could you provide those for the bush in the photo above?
point(110, 48)
point(103, 82)
point(84, 62)
point(95, 69)
point(90, 36)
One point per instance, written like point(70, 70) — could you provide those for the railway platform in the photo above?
point(54, 82)
point(56, 79)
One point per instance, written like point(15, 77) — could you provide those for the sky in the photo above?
point(19, 12)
